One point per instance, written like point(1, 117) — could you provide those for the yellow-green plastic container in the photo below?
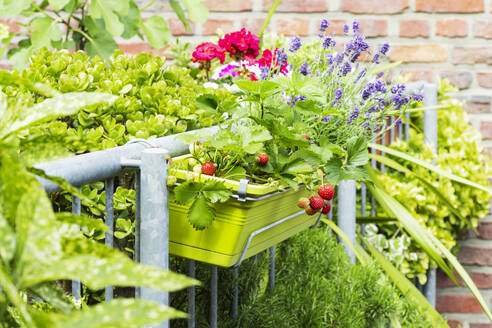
point(223, 241)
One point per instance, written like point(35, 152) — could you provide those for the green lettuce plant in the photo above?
point(40, 247)
point(93, 25)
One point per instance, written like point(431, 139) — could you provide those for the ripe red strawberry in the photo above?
point(316, 202)
point(310, 211)
point(303, 202)
point(208, 168)
point(326, 191)
point(326, 208)
point(305, 136)
point(262, 158)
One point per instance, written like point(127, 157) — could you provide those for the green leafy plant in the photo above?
point(39, 247)
point(93, 25)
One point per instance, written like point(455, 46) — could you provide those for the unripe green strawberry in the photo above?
point(262, 158)
point(303, 202)
point(197, 168)
point(316, 202)
point(171, 180)
point(310, 211)
point(208, 168)
point(326, 208)
point(326, 191)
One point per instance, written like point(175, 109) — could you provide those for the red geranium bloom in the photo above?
point(208, 51)
point(241, 44)
point(268, 59)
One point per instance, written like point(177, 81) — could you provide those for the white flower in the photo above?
point(211, 85)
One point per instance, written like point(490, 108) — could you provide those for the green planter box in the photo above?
point(223, 241)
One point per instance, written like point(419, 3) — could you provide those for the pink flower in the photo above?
point(208, 51)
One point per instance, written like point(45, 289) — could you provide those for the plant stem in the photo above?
point(147, 5)
point(267, 20)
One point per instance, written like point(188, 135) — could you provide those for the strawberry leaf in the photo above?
point(187, 192)
point(201, 213)
point(216, 191)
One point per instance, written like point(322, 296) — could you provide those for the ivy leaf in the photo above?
point(201, 214)
point(120, 312)
point(131, 21)
point(187, 192)
point(197, 12)
point(357, 154)
point(106, 9)
point(157, 32)
point(44, 31)
point(58, 4)
point(215, 191)
point(180, 13)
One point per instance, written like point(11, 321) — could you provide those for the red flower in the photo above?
point(241, 44)
point(208, 51)
point(268, 59)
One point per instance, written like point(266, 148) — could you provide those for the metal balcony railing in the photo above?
point(147, 158)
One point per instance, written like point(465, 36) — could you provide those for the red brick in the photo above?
point(476, 254)
point(374, 6)
point(253, 24)
point(336, 26)
point(481, 279)
point(211, 26)
point(11, 24)
point(229, 5)
point(482, 29)
point(293, 26)
point(455, 323)
point(419, 53)
point(418, 74)
point(485, 229)
point(374, 27)
point(485, 79)
point(460, 79)
point(297, 6)
point(414, 28)
point(480, 325)
point(177, 27)
point(472, 55)
point(488, 151)
point(478, 104)
point(452, 28)
point(450, 6)
point(140, 47)
point(451, 303)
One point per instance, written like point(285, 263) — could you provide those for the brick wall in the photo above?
point(448, 38)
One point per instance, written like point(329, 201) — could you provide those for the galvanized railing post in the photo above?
point(347, 198)
point(154, 226)
point(430, 133)
point(108, 240)
point(76, 286)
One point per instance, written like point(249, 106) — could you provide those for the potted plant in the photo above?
point(301, 127)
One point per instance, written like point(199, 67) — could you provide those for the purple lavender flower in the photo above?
point(375, 59)
point(380, 74)
point(398, 89)
point(355, 26)
point(338, 93)
point(304, 69)
point(327, 43)
point(281, 57)
point(295, 44)
point(345, 29)
point(368, 90)
point(380, 86)
point(361, 75)
point(324, 25)
point(384, 48)
point(265, 72)
point(418, 97)
point(346, 68)
point(353, 115)
point(292, 101)
point(326, 119)
point(399, 100)
point(398, 121)
point(339, 58)
point(365, 124)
